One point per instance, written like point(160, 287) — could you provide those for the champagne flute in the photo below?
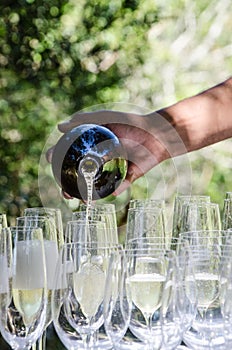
point(48, 229)
point(177, 211)
point(146, 243)
point(172, 305)
point(54, 214)
point(207, 330)
point(117, 302)
point(84, 232)
point(202, 238)
point(144, 222)
point(147, 203)
point(102, 212)
point(53, 237)
point(146, 279)
point(92, 233)
point(200, 216)
point(3, 221)
point(80, 285)
point(227, 213)
point(23, 303)
point(226, 295)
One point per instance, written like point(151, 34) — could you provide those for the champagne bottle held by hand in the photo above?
point(90, 155)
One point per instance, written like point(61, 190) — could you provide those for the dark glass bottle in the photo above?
point(92, 149)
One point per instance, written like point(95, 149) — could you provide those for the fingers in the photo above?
point(68, 125)
point(101, 117)
point(98, 117)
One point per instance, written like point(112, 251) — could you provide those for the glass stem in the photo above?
point(88, 340)
point(40, 343)
point(148, 319)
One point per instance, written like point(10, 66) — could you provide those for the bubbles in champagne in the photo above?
point(89, 285)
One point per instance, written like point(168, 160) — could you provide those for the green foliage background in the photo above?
point(61, 56)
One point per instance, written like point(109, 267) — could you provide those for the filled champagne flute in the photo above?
point(147, 273)
point(79, 291)
point(51, 227)
point(93, 233)
point(54, 214)
point(23, 303)
point(49, 233)
point(208, 328)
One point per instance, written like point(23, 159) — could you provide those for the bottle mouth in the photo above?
point(88, 166)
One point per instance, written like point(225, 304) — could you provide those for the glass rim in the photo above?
point(84, 222)
point(88, 244)
point(44, 208)
point(198, 231)
point(37, 218)
point(192, 196)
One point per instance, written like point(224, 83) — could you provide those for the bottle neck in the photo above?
point(89, 165)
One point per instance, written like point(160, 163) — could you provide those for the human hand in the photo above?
point(147, 139)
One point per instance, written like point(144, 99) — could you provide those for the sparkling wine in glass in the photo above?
point(207, 330)
point(52, 239)
point(79, 291)
point(145, 283)
point(24, 302)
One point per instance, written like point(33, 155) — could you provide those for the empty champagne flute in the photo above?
point(147, 203)
point(144, 222)
point(178, 301)
point(202, 238)
point(102, 212)
point(200, 216)
point(146, 243)
point(23, 303)
point(227, 213)
point(3, 221)
point(177, 210)
point(226, 295)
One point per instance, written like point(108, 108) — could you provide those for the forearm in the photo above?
point(203, 119)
